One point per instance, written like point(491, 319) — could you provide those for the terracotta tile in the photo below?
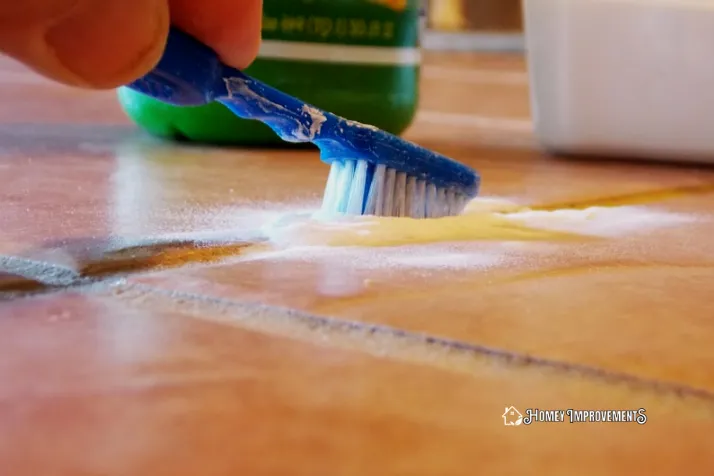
point(96, 386)
point(92, 197)
point(634, 303)
point(193, 383)
point(66, 206)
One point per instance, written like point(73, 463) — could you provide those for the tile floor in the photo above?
point(147, 327)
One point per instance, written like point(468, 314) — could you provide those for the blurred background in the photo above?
point(473, 25)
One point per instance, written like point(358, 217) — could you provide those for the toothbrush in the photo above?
point(372, 172)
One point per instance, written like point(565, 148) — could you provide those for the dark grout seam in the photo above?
point(37, 278)
point(110, 259)
point(23, 277)
point(40, 272)
point(377, 340)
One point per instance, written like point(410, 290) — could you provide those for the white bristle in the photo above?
point(389, 184)
point(400, 195)
point(431, 201)
point(409, 197)
point(450, 202)
point(461, 202)
point(355, 188)
point(375, 202)
point(344, 185)
point(440, 208)
point(331, 191)
point(419, 200)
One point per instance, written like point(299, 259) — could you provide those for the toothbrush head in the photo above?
point(375, 173)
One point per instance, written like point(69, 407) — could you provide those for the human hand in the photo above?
point(103, 44)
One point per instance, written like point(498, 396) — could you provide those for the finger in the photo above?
point(231, 27)
point(91, 43)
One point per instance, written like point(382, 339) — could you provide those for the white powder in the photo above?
point(430, 256)
point(318, 118)
point(608, 222)
point(452, 259)
point(483, 220)
point(491, 232)
point(484, 236)
point(299, 133)
point(359, 124)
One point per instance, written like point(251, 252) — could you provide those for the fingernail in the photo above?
point(107, 43)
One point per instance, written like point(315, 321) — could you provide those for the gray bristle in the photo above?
point(354, 187)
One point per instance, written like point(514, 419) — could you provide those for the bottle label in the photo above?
point(342, 31)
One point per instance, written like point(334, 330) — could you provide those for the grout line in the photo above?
point(30, 277)
point(44, 273)
point(34, 277)
point(377, 340)
point(449, 354)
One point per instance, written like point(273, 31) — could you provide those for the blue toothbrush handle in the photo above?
point(191, 74)
point(187, 74)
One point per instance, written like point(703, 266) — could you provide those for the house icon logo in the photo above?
point(512, 417)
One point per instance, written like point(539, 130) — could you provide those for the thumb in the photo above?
point(98, 44)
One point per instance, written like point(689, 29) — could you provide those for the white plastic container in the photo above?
point(631, 78)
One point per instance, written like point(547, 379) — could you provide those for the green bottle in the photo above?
point(356, 58)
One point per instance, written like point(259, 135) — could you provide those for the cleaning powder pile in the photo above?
point(485, 219)
point(491, 232)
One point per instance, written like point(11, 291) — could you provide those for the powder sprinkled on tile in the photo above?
point(435, 256)
point(483, 220)
point(490, 233)
point(608, 222)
